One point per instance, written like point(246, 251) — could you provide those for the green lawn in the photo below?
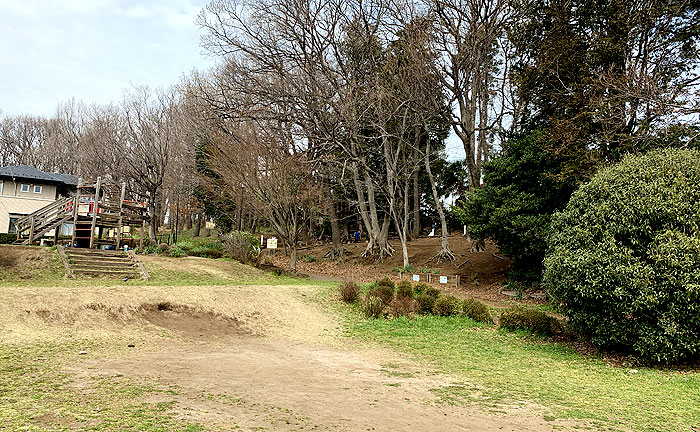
point(498, 367)
point(36, 395)
point(491, 368)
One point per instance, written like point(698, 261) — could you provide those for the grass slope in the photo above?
point(500, 367)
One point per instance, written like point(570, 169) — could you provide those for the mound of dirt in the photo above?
point(481, 273)
point(18, 259)
point(190, 322)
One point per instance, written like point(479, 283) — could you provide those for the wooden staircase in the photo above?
point(96, 262)
point(35, 225)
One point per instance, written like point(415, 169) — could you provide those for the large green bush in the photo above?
point(624, 257)
point(476, 310)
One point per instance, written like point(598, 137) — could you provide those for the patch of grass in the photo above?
point(405, 269)
point(35, 394)
point(504, 367)
point(164, 271)
point(308, 258)
point(428, 270)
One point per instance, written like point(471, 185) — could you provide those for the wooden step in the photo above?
point(106, 258)
point(101, 260)
point(95, 252)
point(130, 274)
point(121, 267)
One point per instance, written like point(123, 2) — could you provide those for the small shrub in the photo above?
point(432, 292)
point(476, 310)
point(373, 306)
point(384, 292)
point(406, 269)
point(425, 303)
point(243, 247)
point(349, 292)
point(208, 253)
point(404, 290)
point(536, 322)
point(150, 249)
point(163, 247)
point(308, 258)
point(402, 306)
point(420, 288)
point(176, 252)
point(385, 281)
point(428, 270)
point(446, 306)
point(202, 247)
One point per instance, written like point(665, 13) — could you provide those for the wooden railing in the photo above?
point(43, 220)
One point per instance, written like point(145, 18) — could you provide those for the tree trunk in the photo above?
point(153, 223)
point(336, 245)
point(378, 245)
point(445, 251)
point(416, 205)
point(197, 225)
point(293, 259)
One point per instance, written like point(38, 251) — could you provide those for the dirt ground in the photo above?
point(481, 273)
point(247, 357)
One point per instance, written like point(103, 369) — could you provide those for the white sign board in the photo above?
point(272, 243)
point(416, 278)
point(443, 279)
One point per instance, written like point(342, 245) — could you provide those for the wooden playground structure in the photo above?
point(103, 220)
point(100, 213)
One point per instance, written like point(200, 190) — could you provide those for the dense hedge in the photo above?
point(7, 238)
point(624, 257)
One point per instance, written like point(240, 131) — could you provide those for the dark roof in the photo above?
point(30, 173)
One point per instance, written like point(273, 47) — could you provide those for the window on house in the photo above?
point(2, 182)
point(24, 188)
point(37, 189)
point(12, 229)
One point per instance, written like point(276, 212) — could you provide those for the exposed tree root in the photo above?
point(445, 254)
point(478, 245)
point(335, 253)
point(377, 252)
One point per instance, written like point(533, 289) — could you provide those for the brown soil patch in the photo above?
point(481, 273)
point(190, 322)
point(198, 267)
point(19, 259)
point(274, 384)
point(256, 357)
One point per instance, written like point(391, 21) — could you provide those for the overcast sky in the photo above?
point(52, 50)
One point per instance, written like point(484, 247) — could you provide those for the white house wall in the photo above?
point(14, 201)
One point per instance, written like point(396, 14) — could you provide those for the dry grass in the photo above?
point(37, 313)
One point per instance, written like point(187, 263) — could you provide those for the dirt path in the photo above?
point(276, 384)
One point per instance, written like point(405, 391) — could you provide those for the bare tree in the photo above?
point(470, 37)
point(263, 163)
point(152, 133)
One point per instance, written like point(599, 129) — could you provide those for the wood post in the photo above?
point(121, 216)
point(76, 205)
point(143, 230)
point(95, 209)
point(64, 259)
point(31, 231)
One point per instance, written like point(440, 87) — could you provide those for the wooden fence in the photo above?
point(431, 278)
